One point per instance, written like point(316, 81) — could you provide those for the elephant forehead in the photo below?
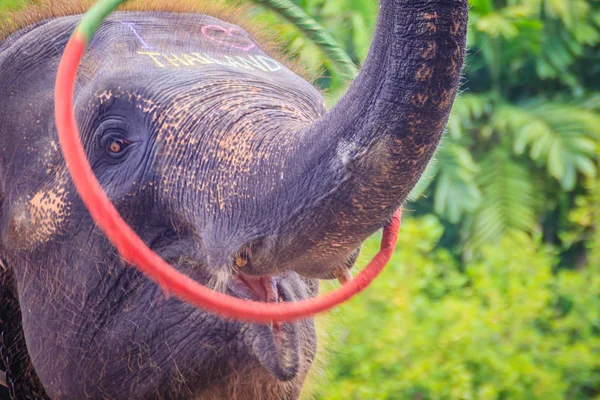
point(218, 147)
point(181, 43)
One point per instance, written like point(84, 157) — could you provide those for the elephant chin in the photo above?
point(274, 345)
point(276, 348)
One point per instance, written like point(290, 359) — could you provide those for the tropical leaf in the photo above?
point(467, 111)
point(506, 22)
point(509, 203)
point(456, 192)
point(425, 182)
point(562, 137)
point(496, 24)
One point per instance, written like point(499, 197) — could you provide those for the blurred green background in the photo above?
point(494, 290)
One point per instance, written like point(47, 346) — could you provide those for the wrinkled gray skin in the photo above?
point(210, 161)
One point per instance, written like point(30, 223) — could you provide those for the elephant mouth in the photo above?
point(275, 345)
point(263, 288)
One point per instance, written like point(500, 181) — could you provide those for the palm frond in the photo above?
point(562, 137)
point(509, 203)
point(467, 109)
point(456, 192)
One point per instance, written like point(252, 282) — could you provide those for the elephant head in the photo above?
point(229, 166)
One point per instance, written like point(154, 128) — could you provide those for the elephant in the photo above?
point(227, 164)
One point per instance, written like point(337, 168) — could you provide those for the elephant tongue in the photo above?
point(264, 287)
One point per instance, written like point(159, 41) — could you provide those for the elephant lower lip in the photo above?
point(276, 348)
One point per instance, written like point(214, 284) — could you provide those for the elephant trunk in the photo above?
point(367, 153)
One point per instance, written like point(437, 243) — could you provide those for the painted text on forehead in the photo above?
point(211, 43)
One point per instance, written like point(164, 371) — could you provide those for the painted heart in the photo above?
point(231, 37)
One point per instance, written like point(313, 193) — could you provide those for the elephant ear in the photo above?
point(18, 379)
point(15, 364)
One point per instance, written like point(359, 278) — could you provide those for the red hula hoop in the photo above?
point(135, 251)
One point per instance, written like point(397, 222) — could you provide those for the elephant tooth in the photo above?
point(241, 262)
point(343, 275)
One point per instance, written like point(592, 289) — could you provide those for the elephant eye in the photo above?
point(116, 146)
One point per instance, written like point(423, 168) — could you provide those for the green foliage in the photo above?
point(528, 98)
point(561, 137)
point(509, 204)
point(503, 327)
point(456, 173)
point(350, 22)
point(10, 5)
point(314, 31)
